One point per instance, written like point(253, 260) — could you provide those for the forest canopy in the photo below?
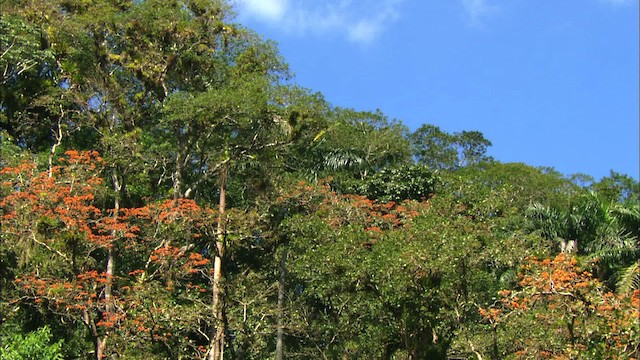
point(169, 192)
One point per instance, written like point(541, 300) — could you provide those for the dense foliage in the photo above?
point(169, 193)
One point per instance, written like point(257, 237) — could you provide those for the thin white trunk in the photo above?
point(111, 264)
point(52, 152)
point(216, 351)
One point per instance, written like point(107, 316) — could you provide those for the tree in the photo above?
point(472, 147)
point(24, 61)
point(560, 311)
point(52, 223)
point(350, 301)
point(591, 225)
point(443, 151)
point(434, 148)
point(167, 192)
point(217, 130)
point(34, 346)
point(358, 143)
point(359, 264)
point(415, 182)
point(61, 241)
point(617, 188)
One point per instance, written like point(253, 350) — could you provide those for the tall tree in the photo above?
point(434, 147)
point(356, 143)
point(443, 151)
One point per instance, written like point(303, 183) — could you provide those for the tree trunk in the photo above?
point(101, 343)
point(177, 177)
point(494, 341)
point(569, 246)
point(58, 135)
point(280, 325)
point(571, 328)
point(216, 351)
point(111, 262)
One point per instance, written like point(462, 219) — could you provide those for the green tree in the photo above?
point(472, 147)
point(218, 131)
point(443, 151)
point(357, 143)
point(25, 61)
point(35, 345)
point(434, 147)
point(411, 182)
point(618, 188)
point(359, 264)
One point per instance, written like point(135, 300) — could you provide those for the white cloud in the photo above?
point(360, 21)
point(477, 10)
point(364, 31)
point(268, 10)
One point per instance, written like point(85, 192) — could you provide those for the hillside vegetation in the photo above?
point(168, 192)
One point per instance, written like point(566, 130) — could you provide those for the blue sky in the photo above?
point(549, 82)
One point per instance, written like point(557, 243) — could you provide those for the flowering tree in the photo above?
point(561, 311)
point(64, 244)
point(50, 219)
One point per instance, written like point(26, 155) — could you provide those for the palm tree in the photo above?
point(606, 231)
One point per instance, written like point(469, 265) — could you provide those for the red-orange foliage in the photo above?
point(54, 212)
point(63, 199)
point(580, 317)
point(79, 299)
point(340, 210)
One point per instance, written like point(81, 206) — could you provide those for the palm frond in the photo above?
point(629, 279)
point(343, 159)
